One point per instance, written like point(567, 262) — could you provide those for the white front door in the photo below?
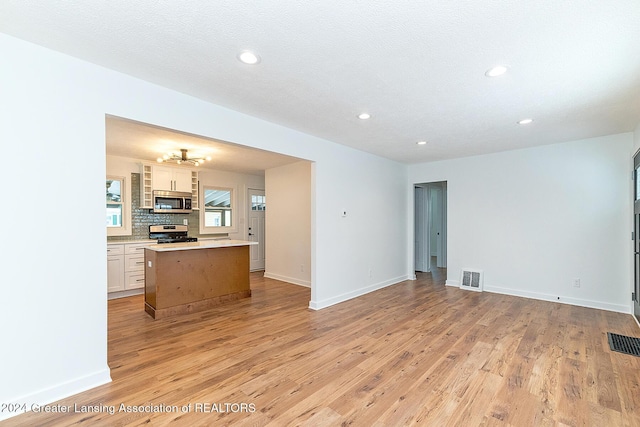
point(257, 207)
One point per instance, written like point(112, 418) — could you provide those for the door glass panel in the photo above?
point(258, 203)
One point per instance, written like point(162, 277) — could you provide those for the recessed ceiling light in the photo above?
point(421, 142)
point(364, 116)
point(248, 57)
point(496, 71)
point(525, 121)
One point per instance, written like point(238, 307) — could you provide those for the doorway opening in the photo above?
point(430, 228)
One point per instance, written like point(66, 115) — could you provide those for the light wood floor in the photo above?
point(414, 353)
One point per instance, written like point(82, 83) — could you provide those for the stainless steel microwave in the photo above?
point(171, 202)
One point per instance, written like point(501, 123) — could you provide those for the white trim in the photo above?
point(635, 318)
point(125, 293)
point(318, 305)
point(619, 308)
point(292, 280)
point(60, 391)
point(235, 218)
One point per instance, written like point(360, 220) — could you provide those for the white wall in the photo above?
point(53, 306)
point(361, 251)
point(288, 223)
point(636, 139)
point(535, 219)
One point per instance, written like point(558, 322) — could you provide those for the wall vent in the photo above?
point(471, 279)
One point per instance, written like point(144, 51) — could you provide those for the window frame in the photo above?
point(233, 206)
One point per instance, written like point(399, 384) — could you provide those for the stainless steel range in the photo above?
point(170, 233)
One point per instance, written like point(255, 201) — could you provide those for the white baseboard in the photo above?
point(292, 280)
point(619, 308)
point(124, 294)
point(636, 319)
point(318, 305)
point(60, 391)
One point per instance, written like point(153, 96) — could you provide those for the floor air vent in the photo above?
point(624, 344)
point(471, 280)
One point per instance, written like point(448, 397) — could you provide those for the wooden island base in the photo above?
point(187, 281)
point(195, 306)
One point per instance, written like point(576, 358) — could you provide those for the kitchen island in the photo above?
point(189, 277)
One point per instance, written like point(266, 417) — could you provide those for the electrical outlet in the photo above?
point(185, 222)
point(576, 283)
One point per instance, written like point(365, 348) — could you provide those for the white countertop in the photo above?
point(200, 244)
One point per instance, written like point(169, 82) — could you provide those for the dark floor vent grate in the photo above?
point(624, 344)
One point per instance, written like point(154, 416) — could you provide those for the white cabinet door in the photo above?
point(162, 178)
point(171, 179)
point(182, 180)
point(115, 273)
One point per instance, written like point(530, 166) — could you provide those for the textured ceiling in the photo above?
point(141, 141)
point(416, 66)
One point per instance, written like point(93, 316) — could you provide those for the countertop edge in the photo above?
point(200, 244)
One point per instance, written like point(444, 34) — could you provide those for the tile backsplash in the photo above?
point(141, 219)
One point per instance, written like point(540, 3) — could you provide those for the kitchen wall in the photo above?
point(142, 218)
point(536, 219)
point(53, 111)
point(288, 223)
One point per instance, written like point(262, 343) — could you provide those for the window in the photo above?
point(114, 202)
point(118, 207)
point(218, 210)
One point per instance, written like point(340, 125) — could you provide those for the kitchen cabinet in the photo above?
point(167, 178)
point(125, 269)
point(171, 179)
point(134, 266)
point(115, 268)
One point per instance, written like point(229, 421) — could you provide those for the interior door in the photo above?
point(421, 217)
point(257, 208)
point(636, 236)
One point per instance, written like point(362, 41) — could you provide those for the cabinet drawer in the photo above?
point(133, 263)
point(133, 280)
point(115, 249)
point(135, 249)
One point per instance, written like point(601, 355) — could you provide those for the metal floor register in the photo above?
point(624, 344)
